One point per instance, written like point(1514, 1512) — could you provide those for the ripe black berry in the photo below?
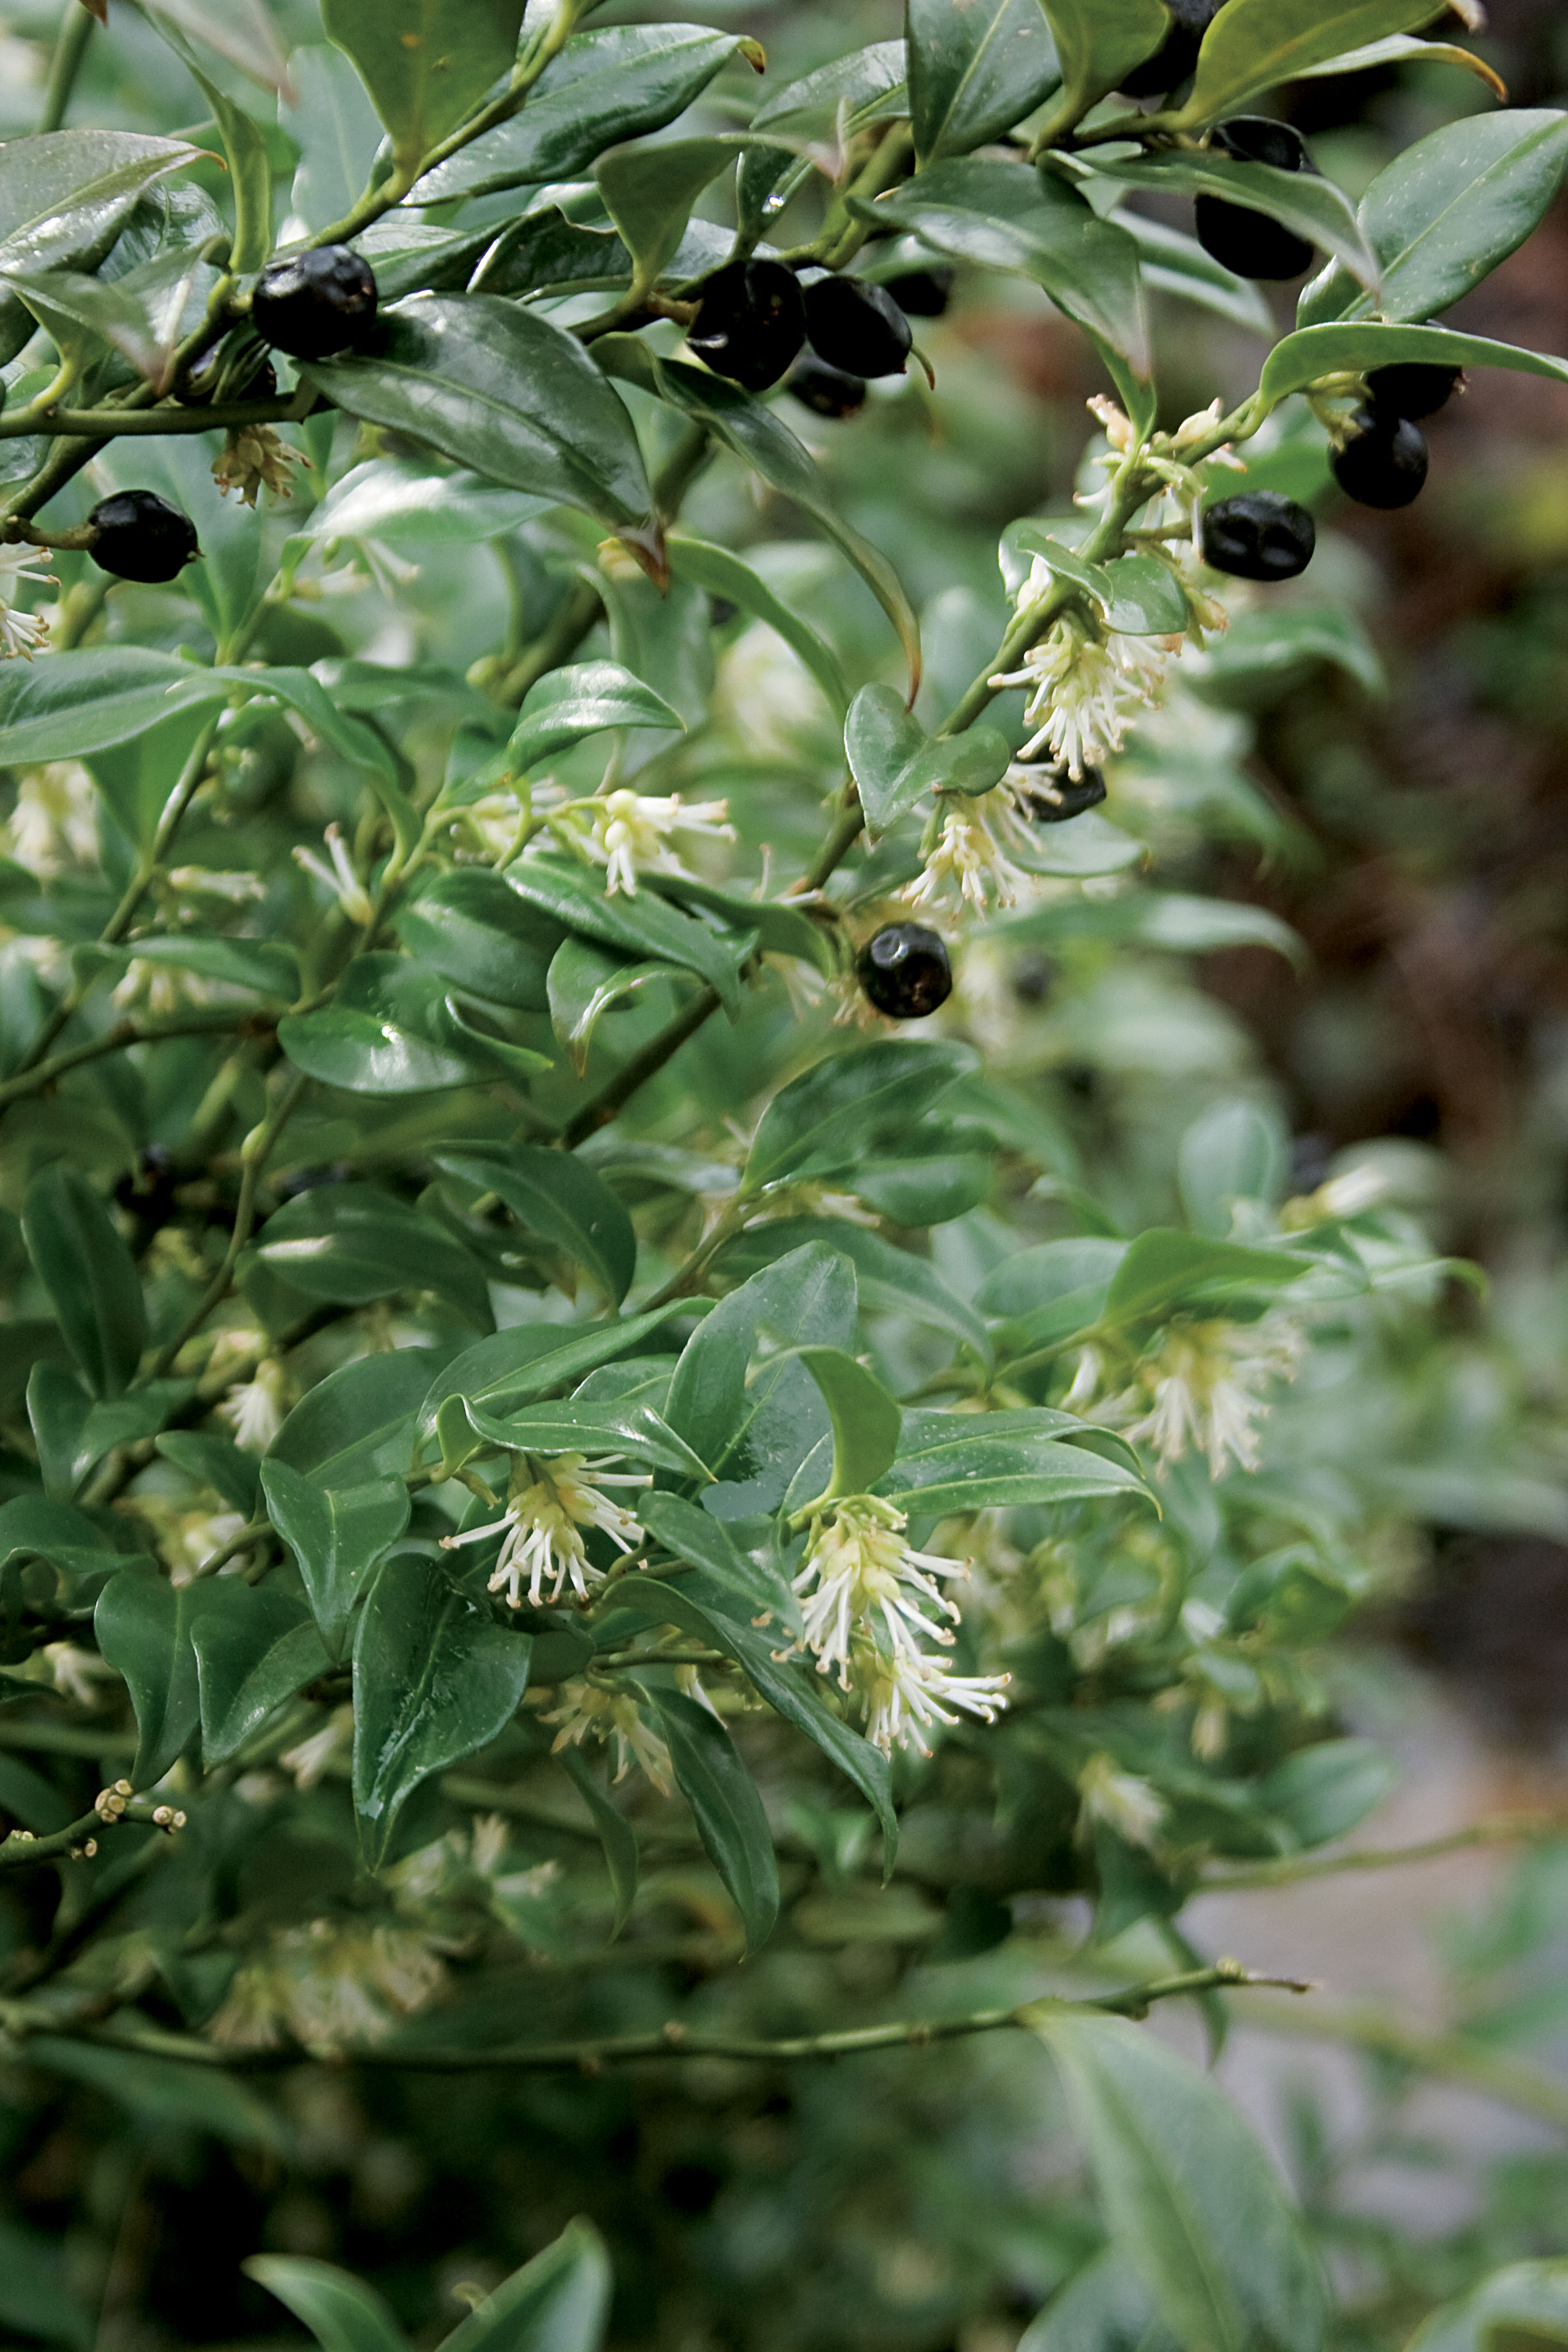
point(316, 303)
point(857, 327)
point(1412, 388)
point(826, 388)
point(1382, 460)
point(1178, 53)
point(1051, 796)
point(1259, 535)
point(1234, 235)
point(139, 536)
point(923, 293)
point(750, 322)
point(906, 973)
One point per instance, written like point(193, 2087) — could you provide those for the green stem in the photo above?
point(254, 1156)
point(117, 423)
point(580, 609)
point(1495, 1829)
point(19, 1851)
point(118, 1040)
point(614, 1097)
point(70, 48)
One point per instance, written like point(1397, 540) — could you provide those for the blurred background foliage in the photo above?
point(1413, 829)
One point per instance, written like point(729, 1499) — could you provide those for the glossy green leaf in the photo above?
point(341, 2312)
point(144, 316)
point(480, 935)
point(1034, 224)
point(89, 1274)
point(644, 927)
point(1147, 599)
point(1521, 2308)
point(617, 84)
point(504, 392)
point(389, 1030)
point(359, 1422)
point(425, 63)
point(434, 1678)
point(595, 1427)
point(78, 703)
point(142, 1626)
point(951, 1461)
point(895, 763)
point(398, 501)
point(261, 967)
point(1314, 353)
point(616, 1836)
point(548, 252)
point(817, 112)
point(1098, 42)
point(531, 1360)
point(692, 1604)
point(1403, 48)
point(557, 2303)
point(891, 1281)
point(585, 698)
point(250, 167)
point(351, 1243)
point(974, 71)
point(1253, 46)
point(587, 981)
point(73, 1434)
point(1267, 650)
point(751, 1591)
point(1164, 1271)
point(866, 1421)
point(722, 573)
point(753, 1427)
point(779, 928)
point(755, 434)
point(337, 1534)
point(1314, 207)
point(845, 1105)
point(649, 192)
point(65, 196)
point(1237, 1151)
point(1104, 2307)
point(1192, 2204)
point(714, 1781)
point(67, 1538)
point(255, 1648)
point(560, 1197)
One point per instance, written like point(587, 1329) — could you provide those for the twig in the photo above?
point(602, 1108)
point(76, 31)
point(1495, 1829)
point(1450, 2056)
point(120, 1039)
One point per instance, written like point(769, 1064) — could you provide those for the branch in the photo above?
point(1495, 1829)
point(122, 1036)
point(1450, 2056)
point(112, 424)
point(602, 1108)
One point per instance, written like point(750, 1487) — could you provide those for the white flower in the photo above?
point(867, 1599)
point(160, 988)
point(55, 821)
point(551, 1500)
point(340, 878)
point(1200, 1389)
point(1083, 693)
point(77, 1671)
point(212, 882)
point(587, 1711)
point(254, 1410)
point(311, 1756)
point(1121, 1800)
point(630, 831)
point(21, 633)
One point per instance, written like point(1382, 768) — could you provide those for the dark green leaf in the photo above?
point(1314, 207)
point(68, 1538)
point(64, 198)
point(819, 111)
point(722, 573)
point(1174, 263)
point(895, 763)
point(892, 1281)
point(75, 703)
point(780, 929)
point(391, 1030)
point(250, 172)
point(585, 982)
point(757, 1428)
point(214, 1461)
point(504, 392)
point(352, 1243)
point(1147, 599)
point(583, 699)
point(89, 1274)
point(434, 1678)
point(261, 967)
point(1166, 1271)
point(952, 1462)
point(643, 927)
point(605, 86)
point(839, 1110)
point(143, 1624)
point(255, 1648)
point(517, 1367)
point(557, 2303)
point(359, 1422)
point(974, 71)
point(1192, 2204)
point(649, 192)
point(1252, 45)
point(558, 1197)
point(724, 1804)
point(601, 1426)
point(398, 500)
point(616, 1836)
point(337, 1532)
point(1314, 353)
point(1097, 44)
point(144, 316)
point(466, 925)
point(34, 2297)
point(866, 1421)
point(752, 1591)
point(341, 2312)
point(426, 63)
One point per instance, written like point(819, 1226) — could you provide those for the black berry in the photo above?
point(1249, 242)
point(139, 536)
point(923, 293)
point(750, 322)
point(316, 303)
point(1053, 797)
point(1382, 462)
point(1259, 535)
point(826, 388)
point(1178, 53)
point(857, 327)
point(1412, 388)
point(906, 973)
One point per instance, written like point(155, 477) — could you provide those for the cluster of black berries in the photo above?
point(755, 318)
point(1381, 460)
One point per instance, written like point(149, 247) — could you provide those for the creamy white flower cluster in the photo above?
point(550, 1501)
point(631, 833)
point(1202, 1388)
point(867, 1599)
